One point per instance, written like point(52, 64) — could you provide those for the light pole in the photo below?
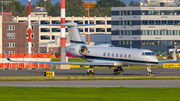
point(88, 5)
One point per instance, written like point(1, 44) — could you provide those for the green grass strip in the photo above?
point(63, 78)
point(88, 94)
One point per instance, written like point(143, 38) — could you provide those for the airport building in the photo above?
point(153, 24)
point(49, 36)
point(14, 35)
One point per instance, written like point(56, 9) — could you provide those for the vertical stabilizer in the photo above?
point(75, 36)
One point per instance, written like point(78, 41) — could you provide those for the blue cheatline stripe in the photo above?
point(114, 59)
point(78, 42)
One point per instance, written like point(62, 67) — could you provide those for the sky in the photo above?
point(25, 2)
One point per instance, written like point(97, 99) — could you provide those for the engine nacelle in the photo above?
point(77, 49)
point(105, 45)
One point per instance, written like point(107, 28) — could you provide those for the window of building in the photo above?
point(170, 42)
point(27, 35)
point(130, 42)
point(120, 32)
point(157, 42)
point(32, 44)
point(10, 27)
point(127, 42)
point(10, 35)
point(124, 32)
point(144, 32)
point(123, 42)
point(11, 52)
point(32, 28)
point(150, 32)
point(164, 32)
point(45, 37)
point(120, 43)
point(10, 44)
point(150, 42)
point(31, 52)
point(53, 37)
point(143, 43)
point(130, 32)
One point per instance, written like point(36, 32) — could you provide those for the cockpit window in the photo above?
point(148, 53)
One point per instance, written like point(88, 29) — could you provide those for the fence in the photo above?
point(4, 63)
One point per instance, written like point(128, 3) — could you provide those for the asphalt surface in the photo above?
point(82, 72)
point(100, 83)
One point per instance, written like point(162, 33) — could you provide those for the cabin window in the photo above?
point(125, 55)
point(129, 55)
point(104, 54)
point(116, 55)
point(112, 54)
point(108, 54)
point(121, 55)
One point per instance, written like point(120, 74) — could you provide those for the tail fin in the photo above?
point(75, 36)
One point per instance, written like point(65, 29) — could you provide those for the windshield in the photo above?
point(148, 53)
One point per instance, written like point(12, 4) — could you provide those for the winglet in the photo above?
point(174, 55)
point(6, 55)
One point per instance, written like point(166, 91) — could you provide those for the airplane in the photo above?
point(103, 54)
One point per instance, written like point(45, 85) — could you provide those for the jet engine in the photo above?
point(77, 49)
point(105, 45)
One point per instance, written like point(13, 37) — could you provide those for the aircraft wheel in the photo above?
point(115, 72)
point(150, 74)
point(90, 72)
point(118, 72)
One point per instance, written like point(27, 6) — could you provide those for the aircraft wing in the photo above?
point(70, 63)
point(174, 58)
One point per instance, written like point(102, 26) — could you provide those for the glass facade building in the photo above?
point(154, 28)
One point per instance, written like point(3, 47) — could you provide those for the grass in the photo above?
point(90, 77)
point(88, 94)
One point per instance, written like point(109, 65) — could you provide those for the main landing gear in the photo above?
point(149, 71)
point(90, 71)
point(118, 71)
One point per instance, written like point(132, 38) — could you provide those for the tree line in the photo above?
point(73, 8)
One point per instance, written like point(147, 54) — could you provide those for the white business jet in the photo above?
point(104, 54)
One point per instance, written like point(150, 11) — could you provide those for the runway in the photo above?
point(82, 72)
point(96, 83)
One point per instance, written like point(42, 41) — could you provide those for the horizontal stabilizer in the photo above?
point(69, 24)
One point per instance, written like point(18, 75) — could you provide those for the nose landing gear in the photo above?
point(149, 71)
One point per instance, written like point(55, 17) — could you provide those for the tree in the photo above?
point(131, 3)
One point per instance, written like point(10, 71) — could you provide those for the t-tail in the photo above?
point(75, 36)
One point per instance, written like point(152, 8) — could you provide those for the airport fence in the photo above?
point(4, 63)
